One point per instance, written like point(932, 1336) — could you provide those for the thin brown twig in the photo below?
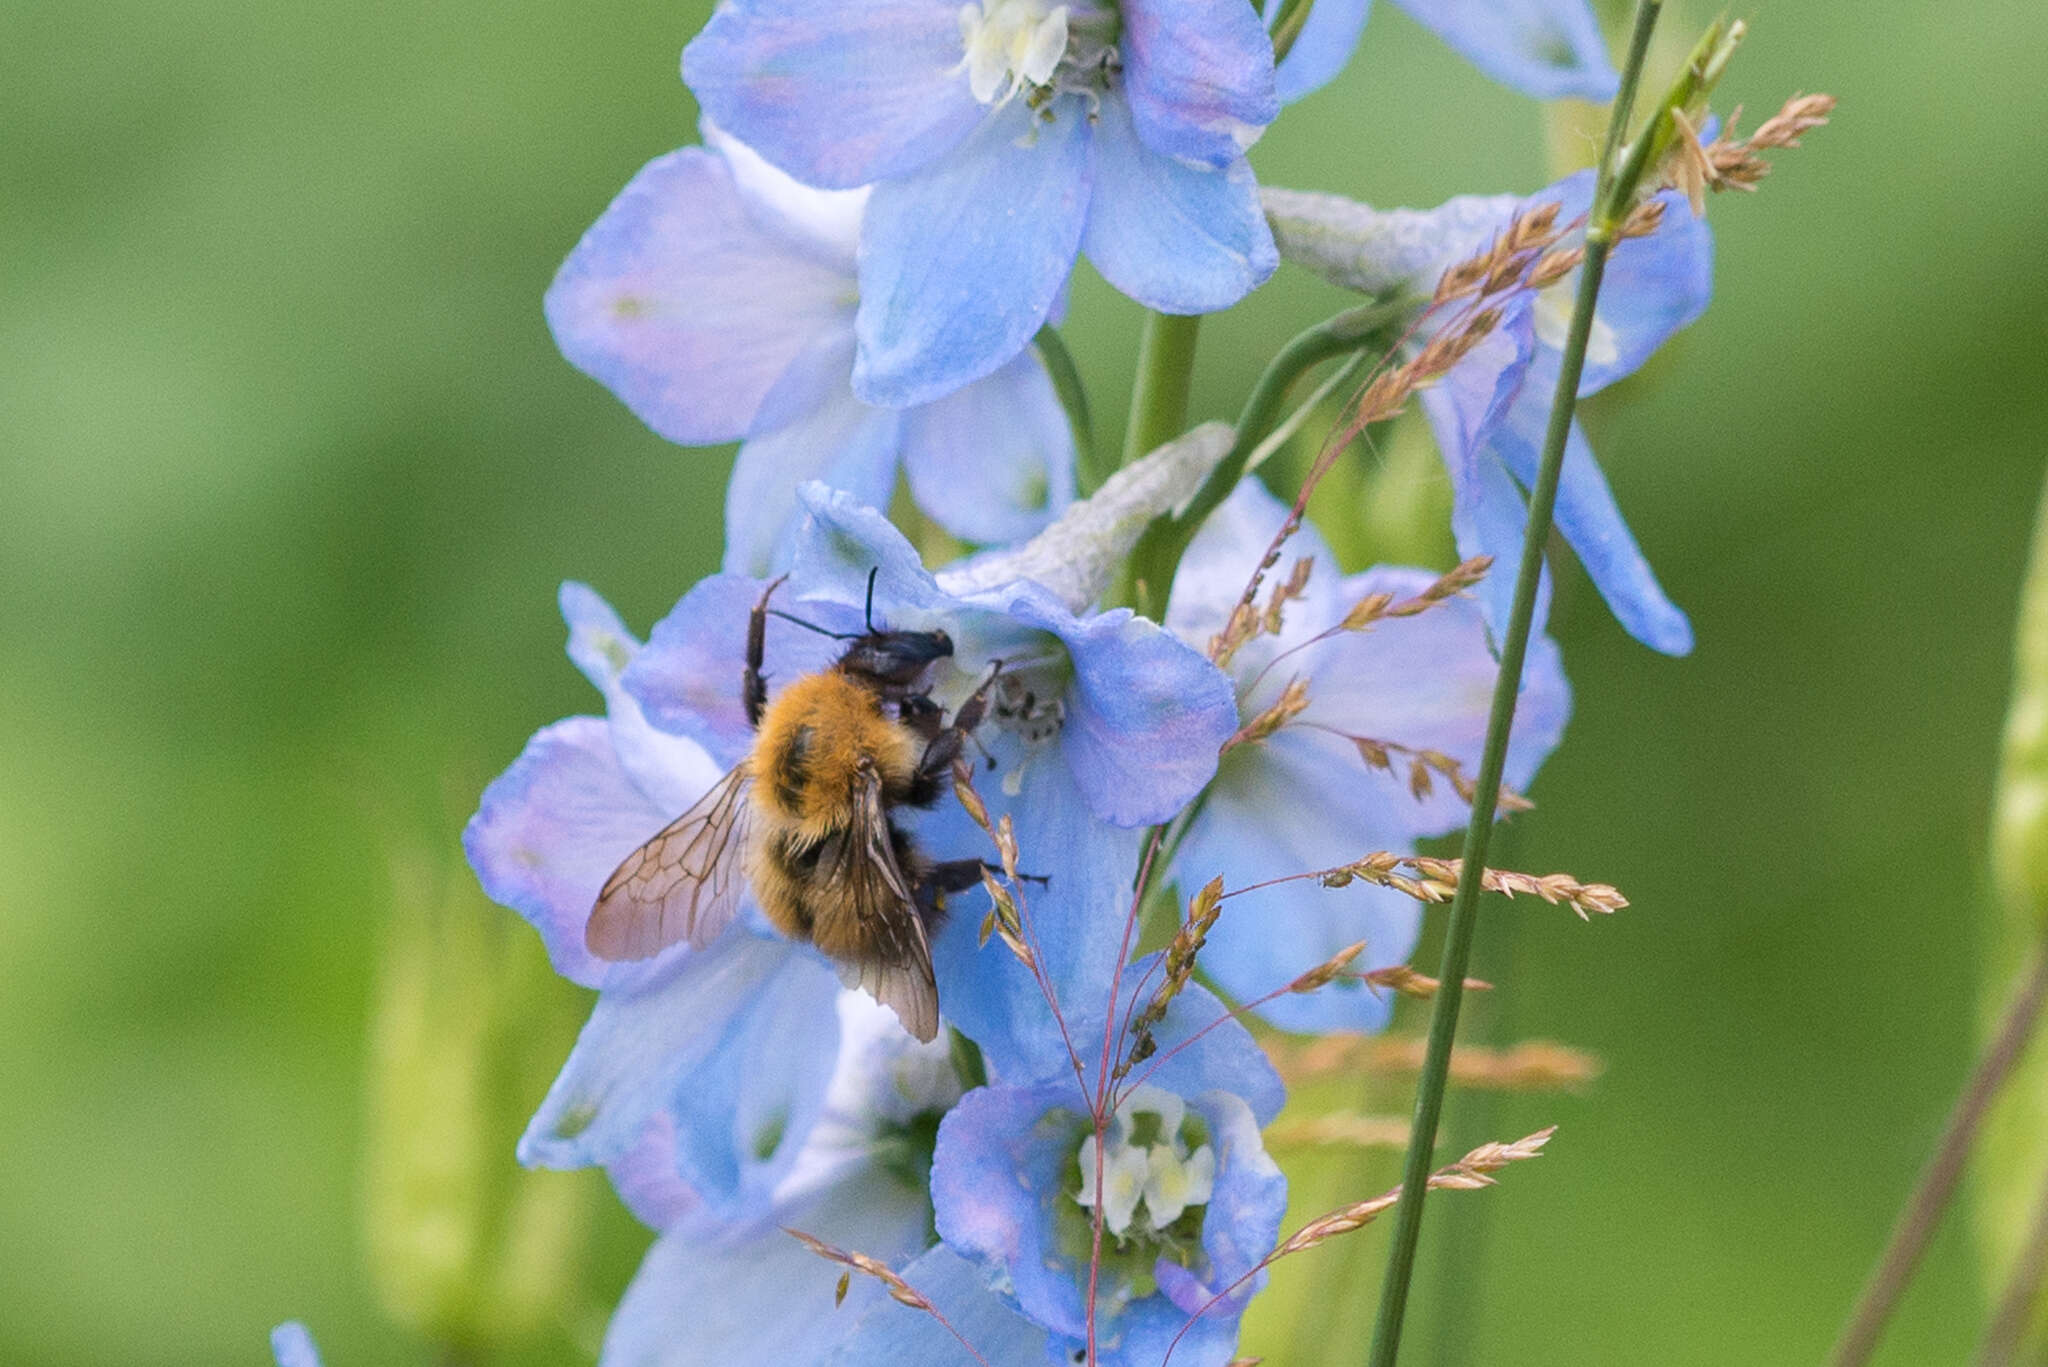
point(1923, 1210)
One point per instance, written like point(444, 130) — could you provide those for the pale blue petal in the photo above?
point(1591, 523)
point(1200, 1048)
point(844, 542)
point(961, 262)
point(671, 771)
point(1242, 1222)
point(1146, 714)
point(839, 94)
point(1174, 237)
point(638, 1044)
point(1075, 920)
point(1551, 49)
point(993, 462)
point(888, 1334)
point(688, 677)
point(812, 428)
point(678, 302)
point(1426, 682)
point(1218, 566)
point(1287, 806)
point(549, 831)
point(757, 1295)
point(648, 1176)
point(742, 1114)
point(1654, 286)
point(292, 1345)
point(997, 1183)
point(822, 224)
point(1199, 78)
point(1320, 51)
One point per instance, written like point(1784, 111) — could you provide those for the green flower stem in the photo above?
point(1158, 552)
point(1066, 382)
point(1612, 195)
point(1166, 368)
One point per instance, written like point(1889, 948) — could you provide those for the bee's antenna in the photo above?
point(812, 626)
point(870, 614)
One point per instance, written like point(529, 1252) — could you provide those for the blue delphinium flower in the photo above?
point(292, 1346)
point(1489, 412)
point(1101, 723)
point(1547, 48)
point(1190, 1200)
point(718, 1289)
point(1304, 798)
point(716, 297)
point(724, 1051)
point(1105, 723)
point(1004, 137)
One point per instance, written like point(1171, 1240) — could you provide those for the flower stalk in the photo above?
point(1166, 370)
point(1616, 188)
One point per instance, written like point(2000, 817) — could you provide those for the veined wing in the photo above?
point(861, 875)
point(685, 883)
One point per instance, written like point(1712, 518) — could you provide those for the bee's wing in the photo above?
point(687, 881)
point(897, 965)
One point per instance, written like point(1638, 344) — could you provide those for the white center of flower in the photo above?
point(1011, 44)
point(1150, 1173)
point(1554, 321)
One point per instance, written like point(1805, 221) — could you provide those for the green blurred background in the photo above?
point(291, 471)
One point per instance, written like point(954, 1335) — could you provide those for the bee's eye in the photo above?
point(943, 642)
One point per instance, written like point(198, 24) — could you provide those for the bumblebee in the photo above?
point(804, 822)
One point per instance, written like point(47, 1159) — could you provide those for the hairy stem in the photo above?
point(1464, 916)
point(1166, 368)
point(1938, 1180)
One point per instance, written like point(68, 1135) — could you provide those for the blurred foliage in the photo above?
point(291, 471)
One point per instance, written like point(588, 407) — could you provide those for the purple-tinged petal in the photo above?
point(1322, 48)
point(891, 1333)
point(1243, 1217)
point(1551, 49)
point(678, 302)
point(551, 829)
point(291, 1344)
point(638, 1044)
point(688, 676)
point(1199, 78)
point(961, 262)
point(822, 224)
point(812, 428)
point(756, 1294)
point(1075, 920)
point(993, 462)
point(1174, 237)
point(648, 1177)
point(997, 1176)
point(837, 95)
point(743, 1114)
point(1591, 523)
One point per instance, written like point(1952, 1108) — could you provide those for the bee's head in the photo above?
point(893, 663)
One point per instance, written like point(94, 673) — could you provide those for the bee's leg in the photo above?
point(946, 743)
point(754, 683)
point(924, 717)
point(941, 879)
